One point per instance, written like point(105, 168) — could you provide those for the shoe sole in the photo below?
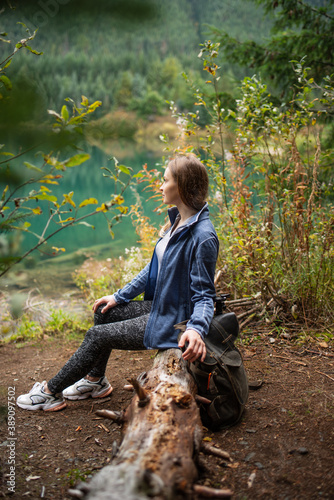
point(57, 408)
point(88, 395)
point(104, 394)
point(40, 407)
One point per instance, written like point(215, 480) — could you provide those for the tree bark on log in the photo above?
point(162, 437)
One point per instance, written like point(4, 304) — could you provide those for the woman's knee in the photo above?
point(112, 315)
point(93, 335)
point(98, 316)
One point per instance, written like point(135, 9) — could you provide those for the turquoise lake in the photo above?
point(87, 181)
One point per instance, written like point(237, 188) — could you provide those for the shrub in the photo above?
point(274, 219)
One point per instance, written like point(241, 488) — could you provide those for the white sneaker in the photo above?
point(37, 399)
point(85, 389)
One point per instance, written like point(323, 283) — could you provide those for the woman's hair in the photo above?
point(192, 180)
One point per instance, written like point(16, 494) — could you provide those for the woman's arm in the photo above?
point(202, 293)
point(202, 287)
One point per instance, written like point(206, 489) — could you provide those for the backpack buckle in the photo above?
point(220, 302)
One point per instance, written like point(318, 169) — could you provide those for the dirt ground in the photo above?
point(283, 447)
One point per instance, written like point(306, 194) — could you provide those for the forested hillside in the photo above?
point(129, 55)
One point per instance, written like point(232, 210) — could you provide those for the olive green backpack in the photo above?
point(221, 378)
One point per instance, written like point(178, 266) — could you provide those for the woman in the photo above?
point(178, 285)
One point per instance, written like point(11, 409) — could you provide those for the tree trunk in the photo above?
point(162, 436)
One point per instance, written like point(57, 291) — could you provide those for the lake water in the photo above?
point(87, 181)
point(52, 276)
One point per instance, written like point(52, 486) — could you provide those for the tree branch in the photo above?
point(20, 154)
point(313, 9)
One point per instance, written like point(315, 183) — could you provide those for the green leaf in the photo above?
point(7, 64)
point(33, 51)
point(47, 197)
point(77, 160)
point(64, 113)
point(32, 167)
point(124, 169)
point(6, 81)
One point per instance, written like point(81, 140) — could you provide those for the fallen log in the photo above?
point(162, 438)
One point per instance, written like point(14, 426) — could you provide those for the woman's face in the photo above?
point(169, 190)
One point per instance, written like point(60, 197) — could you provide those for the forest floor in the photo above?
point(282, 449)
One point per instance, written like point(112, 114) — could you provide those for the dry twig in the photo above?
point(206, 492)
point(212, 450)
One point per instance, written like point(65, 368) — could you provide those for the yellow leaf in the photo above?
point(47, 181)
point(123, 210)
point(49, 176)
point(102, 208)
point(118, 199)
point(207, 439)
point(58, 249)
point(68, 198)
point(37, 210)
point(89, 201)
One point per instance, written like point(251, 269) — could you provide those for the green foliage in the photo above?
point(299, 28)
point(146, 52)
point(151, 104)
point(18, 204)
point(26, 330)
point(274, 218)
point(35, 324)
point(75, 476)
point(5, 82)
point(65, 324)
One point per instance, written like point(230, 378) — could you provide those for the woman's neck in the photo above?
point(185, 212)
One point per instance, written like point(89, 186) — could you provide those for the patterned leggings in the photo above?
point(121, 327)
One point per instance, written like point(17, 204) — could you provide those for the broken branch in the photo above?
point(211, 450)
point(116, 416)
point(206, 492)
point(143, 396)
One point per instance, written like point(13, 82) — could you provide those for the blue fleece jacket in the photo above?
point(184, 288)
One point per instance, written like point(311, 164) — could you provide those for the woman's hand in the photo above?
point(108, 300)
point(196, 347)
